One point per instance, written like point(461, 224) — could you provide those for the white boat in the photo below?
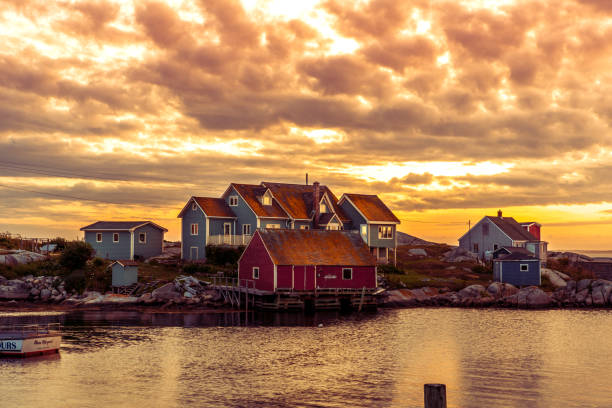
point(30, 340)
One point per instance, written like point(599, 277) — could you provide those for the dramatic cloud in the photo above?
point(441, 107)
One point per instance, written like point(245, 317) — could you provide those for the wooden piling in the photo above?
point(435, 395)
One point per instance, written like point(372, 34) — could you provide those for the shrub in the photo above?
point(481, 269)
point(60, 242)
point(75, 255)
point(193, 268)
point(219, 255)
point(389, 269)
point(98, 262)
point(76, 281)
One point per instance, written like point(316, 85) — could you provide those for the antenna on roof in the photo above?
point(306, 178)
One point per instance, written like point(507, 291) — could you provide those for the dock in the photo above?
point(241, 294)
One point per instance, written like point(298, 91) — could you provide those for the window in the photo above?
point(364, 229)
point(227, 228)
point(194, 229)
point(347, 274)
point(385, 232)
point(99, 237)
point(273, 226)
point(304, 227)
point(142, 237)
point(524, 268)
point(255, 272)
point(115, 237)
point(194, 206)
point(246, 229)
point(323, 208)
point(495, 246)
point(333, 227)
point(233, 201)
point(267, 200)
point(476, 248)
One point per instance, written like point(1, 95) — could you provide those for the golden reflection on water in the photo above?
point(487, 358)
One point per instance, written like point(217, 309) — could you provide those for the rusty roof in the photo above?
point(512, 228)
point(372, 208)
point(298, 199)
point(316, 247)
point(215, 207)
point(252, 193)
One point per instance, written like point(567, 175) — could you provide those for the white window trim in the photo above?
point(304, 227)
point(264, 198)
point(233, 201)
point(248, 228)
point(526, 267)
point(347, 269)
point(197, 229)
point(380, 234)
point(144, 241)
point(227, 224)
point(273, 226)
point(256, 269)
point(117, 235)
point(98, 234)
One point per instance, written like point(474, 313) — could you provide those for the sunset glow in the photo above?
point(446, 110)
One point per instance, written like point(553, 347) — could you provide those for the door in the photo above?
point(227, 233)
point(193, 253)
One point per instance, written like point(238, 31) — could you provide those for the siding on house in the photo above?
point(508, 271)
point(216, 226)
point(124, 275)
point(381, 242)
point(486, 239)
point(188, 241)
point(108, 249)
point(284, 277)
point(353, 214)
point(298, 224)
point(263, 222)
point(244, 213)
point(154, 242)
point(331, 277)
point(257, 256)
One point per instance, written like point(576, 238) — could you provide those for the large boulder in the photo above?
point(583, 284)
point(555, 279)
point(11, 290)
point(166, 292)
point(600, 292)
point(500, 290)
point(458, 255)
point(472, 291)
point(417, 252)
point(533, 297)
point(400, 298)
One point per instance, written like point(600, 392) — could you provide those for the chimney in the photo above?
point(306, 178)
point(315, 201)
point(499, 213)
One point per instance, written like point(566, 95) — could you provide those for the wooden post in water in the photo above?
point(435, 396)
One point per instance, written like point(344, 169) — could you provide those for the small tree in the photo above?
point(75, 255)
point(59, 242)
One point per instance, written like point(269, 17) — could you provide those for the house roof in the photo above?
point(316, 247)
point(215, 207)
point(126, 262)
point(513, 250)
point(298, 199)
point(372, 208)
point(251, 194)
point(326, 218)
point(119, 226)
point(512, 228)
point(517, 256)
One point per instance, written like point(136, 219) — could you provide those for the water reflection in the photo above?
point(498, 358)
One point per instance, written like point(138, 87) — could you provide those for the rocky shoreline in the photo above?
point(187, 292)
point(585, 293)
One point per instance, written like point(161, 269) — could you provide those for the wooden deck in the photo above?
point(243, 295)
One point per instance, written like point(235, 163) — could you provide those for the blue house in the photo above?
point(125, 273)
point(233, 218)
point(516, 266)
point(125, 239)
point(491, 233)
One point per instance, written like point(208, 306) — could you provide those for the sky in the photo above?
point(448, 110)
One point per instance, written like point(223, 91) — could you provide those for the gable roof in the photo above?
point(125, 262)
point(119, 226)
point(316, 247)
point(516, 254)
point(215, 207)
point(372, 208)
point(298, 199)
point(251, 193)
point(512, 229)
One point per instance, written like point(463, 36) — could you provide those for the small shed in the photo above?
point(305, 260)
point(516, 266)
point(125, 273)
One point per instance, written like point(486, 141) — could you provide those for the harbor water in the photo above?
point(487, 358)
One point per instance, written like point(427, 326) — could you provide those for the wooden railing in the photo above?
point(222, 239)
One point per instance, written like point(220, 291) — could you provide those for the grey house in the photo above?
point(516, 266)
point(242, 209)
point(127, 240)
point(491, 233)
